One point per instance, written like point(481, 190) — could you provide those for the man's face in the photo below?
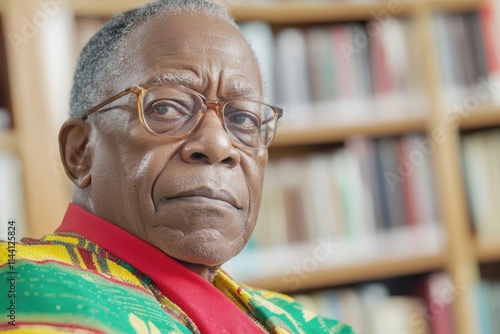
point(196, 199)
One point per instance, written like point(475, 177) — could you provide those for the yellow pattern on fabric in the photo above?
point(39, 329)
point(272, 294)
point(119, 271)
point(230, 289)
point(59, 253)
point(64, 239)
point(43, 253)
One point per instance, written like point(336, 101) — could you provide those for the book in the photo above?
point(362, 151)
point(370, 308)
point(391, 181)
point(462, 40)
point(321, 197)
point(320, 64)
point(406, 170)
point(484, 316)
point(482, 178)
point(395, 63)
point(395, 316)
point(475, 36)
point(271, 229)
point(298, 226)
point(438, 294)
point(495, 305)
point(361, 59)
point(260, 37)
point(421, 203)
point(381, 76)
point(349, 105)
point(489, 18)
point(417, 103)
point(449, 63)
point(5, 99)
point(292, 78)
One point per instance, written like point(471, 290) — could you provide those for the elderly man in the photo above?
point(166, 145)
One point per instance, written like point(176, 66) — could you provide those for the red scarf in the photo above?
point(210, 310)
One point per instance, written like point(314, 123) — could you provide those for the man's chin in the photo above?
point(206, 257)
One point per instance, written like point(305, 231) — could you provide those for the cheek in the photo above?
point(254, 171)
point(259, 167)
point(143, 167)
point(125, 169)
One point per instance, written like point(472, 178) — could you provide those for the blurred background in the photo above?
point(381, 203)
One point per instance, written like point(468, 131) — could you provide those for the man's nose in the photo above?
point(210, 143)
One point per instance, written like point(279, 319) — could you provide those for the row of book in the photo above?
point(342, 72)
point(374, 309)
point(11, 195)
point(469, 54)
point(481, 162)
point(354, 71)
point(488, 306)
point(366, 186)
point(370, 197)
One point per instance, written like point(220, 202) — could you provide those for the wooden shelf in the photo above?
point(294, 12)
point(7, 140)
point(455, 6)
point(298, 12)
point(291, 12)
point(484, 117)
point(356, 273)
point(322, 134)
point(487, 250)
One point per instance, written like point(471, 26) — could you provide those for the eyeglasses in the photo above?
point(175, 112)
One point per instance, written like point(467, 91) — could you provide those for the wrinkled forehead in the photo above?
point(192, 41)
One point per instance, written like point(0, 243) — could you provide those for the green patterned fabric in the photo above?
point(64, 283)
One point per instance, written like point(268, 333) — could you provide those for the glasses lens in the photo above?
point(171, 111)
point(249, 123)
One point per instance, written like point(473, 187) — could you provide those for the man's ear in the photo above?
point(76, 153)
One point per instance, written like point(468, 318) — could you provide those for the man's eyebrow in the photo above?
point(173, 78)
point(236, 91)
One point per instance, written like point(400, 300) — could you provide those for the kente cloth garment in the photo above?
point(93, 277)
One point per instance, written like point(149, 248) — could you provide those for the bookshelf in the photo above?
point(34, 136)
point(481, 118)
point(487, 251)
point(360, 271)
point(321, 134)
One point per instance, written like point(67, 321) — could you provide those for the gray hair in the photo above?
point(101, 59)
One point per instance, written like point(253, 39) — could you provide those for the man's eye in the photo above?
point(168, 109)
point(245, 119)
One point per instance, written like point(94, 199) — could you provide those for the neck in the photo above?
point(206, 272)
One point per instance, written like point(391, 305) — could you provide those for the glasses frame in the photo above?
point(140, 91)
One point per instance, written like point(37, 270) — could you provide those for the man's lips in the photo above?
point(205, 195)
